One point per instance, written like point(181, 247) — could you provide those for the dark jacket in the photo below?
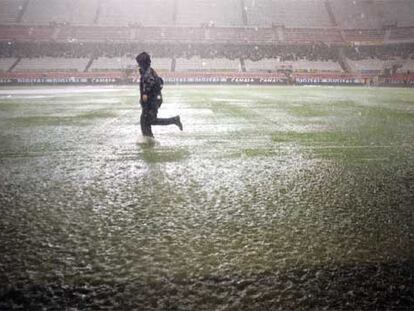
point(151, 85)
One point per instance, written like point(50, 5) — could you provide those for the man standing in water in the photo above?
point(150, 87)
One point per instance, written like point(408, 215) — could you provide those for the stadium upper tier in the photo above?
point(292, 13)
point(60, 11)
point(373, 14)
point(142, 12)
point(236, 22)
point(352, 14)
point(10, 11)
point(209, 12)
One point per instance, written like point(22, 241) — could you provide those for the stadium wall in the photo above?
point(121, 78)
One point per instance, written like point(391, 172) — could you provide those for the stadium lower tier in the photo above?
point(119, 77)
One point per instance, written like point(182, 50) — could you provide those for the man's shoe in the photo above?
point(178, 123)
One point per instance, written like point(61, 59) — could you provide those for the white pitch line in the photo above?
point(348, 147)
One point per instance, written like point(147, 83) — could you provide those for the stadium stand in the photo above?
point(94, 33)
point(407, 65)
point(52, 64)
point(397, 12)
point(402, 34)
point(199, 36)
point(6, 63)
point(293, 13)
point(168, 34)
point(261, 13)
point(304, 13)
point(356, 14)
point(142, 12)
point(204, 64)
point(376, 36)
point(160, 64)
point(315, 66)
point(127, 62)
point(372, 65)
point(311, 36)
point(26, 33)
point(44, 12)
point(265, 64)
point(369, 14)
point(9, 10)
point(112, 63)
point(212, 13)
point(363, 14)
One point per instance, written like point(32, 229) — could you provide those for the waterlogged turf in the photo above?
point(271, 198)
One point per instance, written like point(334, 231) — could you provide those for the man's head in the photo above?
point(144, 60)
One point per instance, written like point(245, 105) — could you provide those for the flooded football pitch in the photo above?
point(272, 198)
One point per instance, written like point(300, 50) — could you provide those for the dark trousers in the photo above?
point(149, 117)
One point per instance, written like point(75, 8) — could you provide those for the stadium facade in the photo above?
point(361, 42)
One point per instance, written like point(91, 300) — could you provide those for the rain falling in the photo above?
point(258, 156)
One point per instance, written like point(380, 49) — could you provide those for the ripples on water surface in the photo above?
point(271, 198)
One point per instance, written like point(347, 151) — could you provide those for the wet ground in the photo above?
point(290, 198)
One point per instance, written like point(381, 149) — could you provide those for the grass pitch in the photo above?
point(263, 181)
